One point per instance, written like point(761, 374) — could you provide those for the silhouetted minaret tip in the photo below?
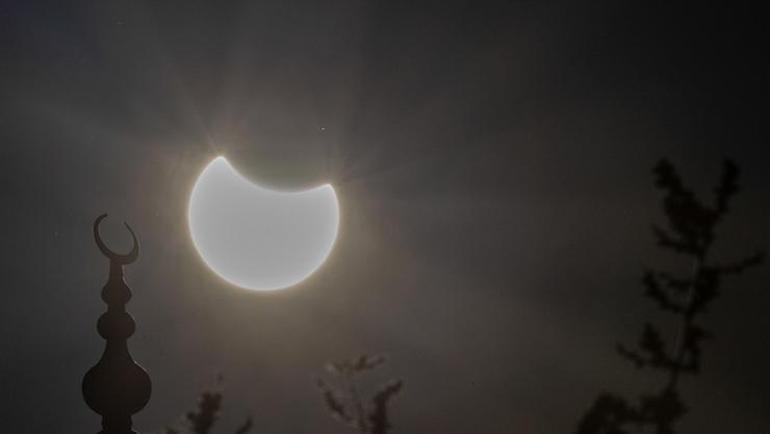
point(116, 387)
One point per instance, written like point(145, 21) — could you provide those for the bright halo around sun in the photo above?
point(257, 238)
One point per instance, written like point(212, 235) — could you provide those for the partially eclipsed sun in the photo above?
point(258, 238)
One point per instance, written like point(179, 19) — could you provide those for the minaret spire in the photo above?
point(116, 387)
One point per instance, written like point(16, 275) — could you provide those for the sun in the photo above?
point(257, 238)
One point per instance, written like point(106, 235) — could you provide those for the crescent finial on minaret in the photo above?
point(122, 259)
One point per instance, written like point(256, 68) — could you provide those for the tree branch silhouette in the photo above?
point(204, 417)
point(690, 233)
point(345, 403)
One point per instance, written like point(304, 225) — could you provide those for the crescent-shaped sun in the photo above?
point(258, 238)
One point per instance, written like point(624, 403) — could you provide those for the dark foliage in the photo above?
point(345, 402)
point(207, 413)
point(203, 418)
point(690, 232)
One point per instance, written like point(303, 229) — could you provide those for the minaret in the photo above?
point(116, 387)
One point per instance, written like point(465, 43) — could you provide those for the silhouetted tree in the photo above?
point(203, 418)
point(690, 232)
point(345, 402)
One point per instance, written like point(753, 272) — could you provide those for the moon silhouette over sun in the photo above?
point(257, 238)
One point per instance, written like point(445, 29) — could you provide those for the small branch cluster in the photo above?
point(345, 402)
point(204, 417)
point(690, 232)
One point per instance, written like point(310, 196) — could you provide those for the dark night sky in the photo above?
point(492, 161)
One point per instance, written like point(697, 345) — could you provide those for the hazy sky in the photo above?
point(492, 162)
